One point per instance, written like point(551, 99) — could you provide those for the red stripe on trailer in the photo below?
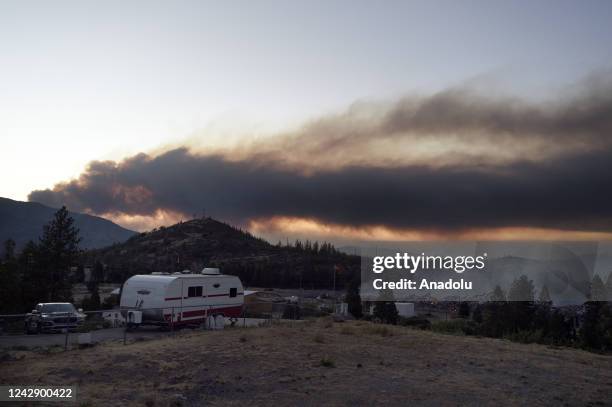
point(234, 311)
point(188, 314)
point(204, 296)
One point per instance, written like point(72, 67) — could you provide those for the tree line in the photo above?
point(41, 270)
point(519, 315)
point(522, 317)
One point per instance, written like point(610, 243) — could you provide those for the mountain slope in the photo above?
point(23, 221)
point(200, 243)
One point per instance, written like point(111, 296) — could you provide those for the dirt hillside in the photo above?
point(321, 363)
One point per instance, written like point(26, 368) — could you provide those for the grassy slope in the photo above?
point(282, 366)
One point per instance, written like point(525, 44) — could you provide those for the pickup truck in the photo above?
point(53, 317)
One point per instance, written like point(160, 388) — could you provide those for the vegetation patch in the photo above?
point(381, 330)
point(418, 322)
point(457, 326)
point(346, 330)
point(327, 362)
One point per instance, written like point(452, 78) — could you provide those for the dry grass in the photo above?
point(347, 330)
point(373, 365)
point(377, 329)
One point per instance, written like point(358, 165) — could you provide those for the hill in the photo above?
point(23, 221)
point(206, 242)
point(320, 363)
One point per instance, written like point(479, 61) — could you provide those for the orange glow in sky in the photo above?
point(279, 227)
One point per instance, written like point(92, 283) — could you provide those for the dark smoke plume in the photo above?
point(565, 182)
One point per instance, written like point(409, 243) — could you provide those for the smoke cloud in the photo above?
point(451, 161)
point(452, 127)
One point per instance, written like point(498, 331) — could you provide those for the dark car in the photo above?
point(53, 317)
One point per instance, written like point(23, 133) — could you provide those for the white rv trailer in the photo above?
point(182, 298)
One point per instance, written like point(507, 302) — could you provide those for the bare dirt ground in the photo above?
point(320, 363)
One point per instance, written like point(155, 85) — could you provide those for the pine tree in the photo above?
point(95, 299)
point(498, 294)
point(464, 310)
point(492, 318)
point(353, 299)
point(79, 277)
point(545, 295)
point(10, 281)
point(522, 289)
point(591, 333)
point(477, 314)
point(609, 286)
point(9, 250)
point(34, 280)
point(298, 245)
point(58, 250)
point(385, 309)
point(315, 247)
point(598, 290)
point(559, 328)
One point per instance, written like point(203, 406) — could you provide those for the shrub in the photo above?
point(528, 336)
point(457, 326)
point(386, 312)
point(327, 362)
point(379, 330)
point(415, 322)
point(464, 310)
point(291, 311)
point(347, 331)
point(596, 329)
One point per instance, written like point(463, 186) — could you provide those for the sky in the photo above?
point(313, 95)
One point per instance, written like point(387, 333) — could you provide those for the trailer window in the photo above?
point(194, 291)
point(233, 292)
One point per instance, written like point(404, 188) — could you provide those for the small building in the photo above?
point(405, 309)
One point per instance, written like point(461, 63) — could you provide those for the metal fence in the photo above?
point(111, 325)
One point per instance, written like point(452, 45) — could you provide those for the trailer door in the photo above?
point(193, 299)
